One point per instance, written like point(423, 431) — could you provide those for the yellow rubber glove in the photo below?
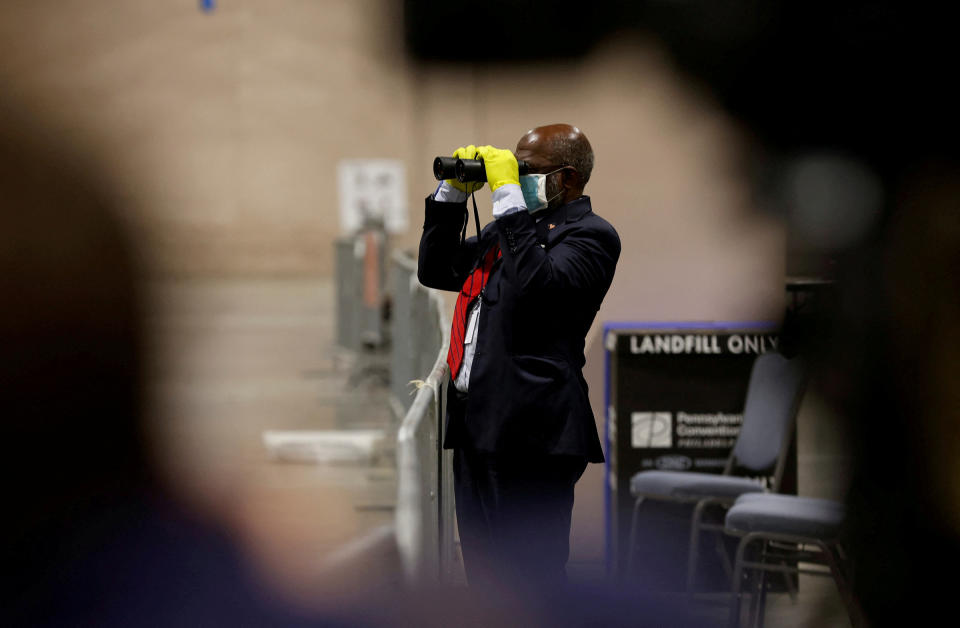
point(501, 166)
point(466, 152)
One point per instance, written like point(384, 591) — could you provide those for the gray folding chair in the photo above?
point(778, 533)
point(773, 398)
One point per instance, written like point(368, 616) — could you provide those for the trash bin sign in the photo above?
point(675, 396)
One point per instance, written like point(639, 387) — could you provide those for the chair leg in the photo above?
point(791, 586)
point(758, 599)
point(632, 543)
point(756, 588)
point(736, 585)
point(853, 609)
point(723, 554)
point(762, 594)
point(693, 554)
point(791, 581)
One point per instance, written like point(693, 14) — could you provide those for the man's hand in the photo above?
point(466, 152)
point(501, 166)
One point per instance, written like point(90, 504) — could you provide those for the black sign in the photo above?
point(675, 398)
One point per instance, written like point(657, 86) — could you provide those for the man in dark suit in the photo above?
point(518, 416)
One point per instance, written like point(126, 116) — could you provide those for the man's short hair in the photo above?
point(573, 151)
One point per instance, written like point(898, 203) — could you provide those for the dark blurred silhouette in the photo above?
point(866, 77)
point(890, 369)
point(89, 534)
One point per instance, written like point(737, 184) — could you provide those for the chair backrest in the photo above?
point(773, 399)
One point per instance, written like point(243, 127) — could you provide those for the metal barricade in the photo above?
point(348, 293)
point(403, 271)
point(360, 268)
point(424, 519)
point(419, 331)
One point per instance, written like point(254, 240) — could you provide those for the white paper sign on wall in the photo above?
point(372, 189)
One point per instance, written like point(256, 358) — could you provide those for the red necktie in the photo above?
point(472, 288)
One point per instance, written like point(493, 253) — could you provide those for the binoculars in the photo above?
point(466, 170)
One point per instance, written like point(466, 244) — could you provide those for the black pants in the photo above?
point(513, 513)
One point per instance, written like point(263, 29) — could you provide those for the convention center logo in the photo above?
point(651, 429)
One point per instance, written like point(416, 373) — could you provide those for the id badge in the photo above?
point(472, 325)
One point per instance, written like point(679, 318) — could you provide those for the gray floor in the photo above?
point(238, 357)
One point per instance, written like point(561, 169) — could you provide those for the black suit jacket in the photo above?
point(527, 392)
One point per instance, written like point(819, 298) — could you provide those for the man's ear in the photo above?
point(571, 179)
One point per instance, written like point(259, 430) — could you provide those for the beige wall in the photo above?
point(225, 130)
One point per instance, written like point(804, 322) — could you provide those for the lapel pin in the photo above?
point(551, 226)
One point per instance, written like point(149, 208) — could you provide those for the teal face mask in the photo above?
point(534, 188)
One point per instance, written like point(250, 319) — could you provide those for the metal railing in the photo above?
point(419, 333)
point(424, 519)
point(404, 359)
point(360, 263)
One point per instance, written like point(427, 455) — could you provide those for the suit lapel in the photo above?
point(492, 291)
point(542, 231)
point(556, 222)
point(553, 224)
